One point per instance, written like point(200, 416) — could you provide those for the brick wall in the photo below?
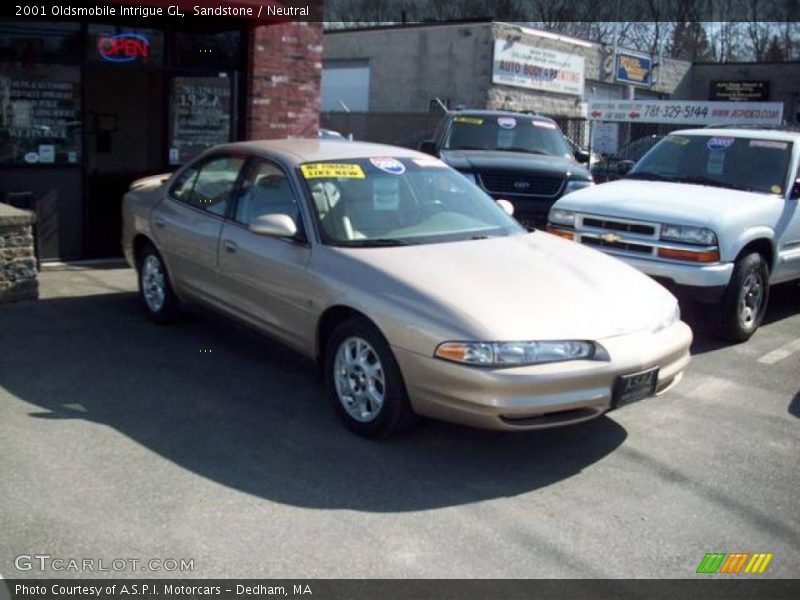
point(284, 80)
point(17, 262)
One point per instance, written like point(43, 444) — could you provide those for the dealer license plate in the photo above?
point(634, 387)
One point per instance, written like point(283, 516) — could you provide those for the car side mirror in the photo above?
point(428, 147)
point(624, 167)
point(506, 206)
point(274, 226)
point(582, 156)
point(795, 195)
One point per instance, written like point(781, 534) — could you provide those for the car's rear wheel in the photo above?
point(364, 381)
point(745, 301)
point(155, 291)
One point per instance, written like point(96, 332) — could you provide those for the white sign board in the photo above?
point(520, 65)
point(687, 112)
point(605, 138)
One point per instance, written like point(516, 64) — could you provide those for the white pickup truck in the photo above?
point(711, 213)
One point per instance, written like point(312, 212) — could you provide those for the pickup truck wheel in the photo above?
point(364, 382)
point(155, 291)
point(745, 299)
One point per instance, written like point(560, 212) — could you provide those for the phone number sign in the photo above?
point(687, 112)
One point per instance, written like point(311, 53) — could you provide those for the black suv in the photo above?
point(520, 157)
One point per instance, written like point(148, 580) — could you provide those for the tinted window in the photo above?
point(516, 134)
point(211, 187)
point(265, 191)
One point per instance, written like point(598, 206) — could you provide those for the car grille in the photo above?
point(627, 246)
point(521, 184)
point(619, 226)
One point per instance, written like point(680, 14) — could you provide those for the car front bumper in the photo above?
point(540, 396)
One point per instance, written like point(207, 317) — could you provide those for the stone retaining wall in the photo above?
point(17, 259)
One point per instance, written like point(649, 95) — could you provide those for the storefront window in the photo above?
point(40, 98)
point(200, 115)
point(221, 49)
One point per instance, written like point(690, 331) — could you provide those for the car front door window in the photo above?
point(213, 184)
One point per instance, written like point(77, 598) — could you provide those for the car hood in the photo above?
point(523, 287)
point(495, 160)
point(660, 201)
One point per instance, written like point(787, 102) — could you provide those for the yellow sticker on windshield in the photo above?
point(331, 170)
point(468, 120)
point(678, 139)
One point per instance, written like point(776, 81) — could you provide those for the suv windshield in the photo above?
point(510, 133)
point(386, 201)
point(723, 161)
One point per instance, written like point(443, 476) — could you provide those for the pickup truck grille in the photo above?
point(613, 225)
point(614, 245)
point(502, 182)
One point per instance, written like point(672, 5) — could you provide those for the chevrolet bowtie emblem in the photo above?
point(610, 237)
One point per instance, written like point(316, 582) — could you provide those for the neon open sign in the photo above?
point(123, 47)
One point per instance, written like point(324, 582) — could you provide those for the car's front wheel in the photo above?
point(745, 299)
point(155, 291)
point(364, 381)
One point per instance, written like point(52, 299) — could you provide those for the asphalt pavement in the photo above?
point(207, 442)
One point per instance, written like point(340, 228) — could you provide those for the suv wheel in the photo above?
point(745, 300)
point(155, 291)
point(364, 382)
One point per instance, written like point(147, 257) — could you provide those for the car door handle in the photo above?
point(230, 246)
point(160, 223)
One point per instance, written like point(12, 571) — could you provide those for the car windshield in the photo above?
point(731, 162)
point(516, 134)
point(385, 201)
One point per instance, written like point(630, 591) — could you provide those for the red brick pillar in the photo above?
point(284, 80)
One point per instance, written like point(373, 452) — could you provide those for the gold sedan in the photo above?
point(415, 292)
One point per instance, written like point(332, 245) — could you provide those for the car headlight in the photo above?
point(559, 216)
point(511, 354)
point(688, 235)
point(577, 185)
point(470, 176)
point(673, 317)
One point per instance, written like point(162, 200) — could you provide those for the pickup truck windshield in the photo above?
point(511, 134)
point(754, 165)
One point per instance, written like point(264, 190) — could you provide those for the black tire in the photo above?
point(395, 414)
point(165, 311)
point(732, 324)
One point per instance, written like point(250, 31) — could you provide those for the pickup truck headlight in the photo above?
point(577, 185)
point(688, 235)
point(559, 216)
point(514, 354)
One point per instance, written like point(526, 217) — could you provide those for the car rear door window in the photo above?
point(210, 187)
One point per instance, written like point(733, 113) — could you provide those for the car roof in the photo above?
point(499, 113)
point(296, 151)
point(747, 133)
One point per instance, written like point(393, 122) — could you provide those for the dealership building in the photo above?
point(88, 105)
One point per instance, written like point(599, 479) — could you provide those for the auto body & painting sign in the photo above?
point(687, 112)
point(520, 65)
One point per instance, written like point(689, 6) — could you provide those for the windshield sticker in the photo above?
point(678, 139)
point(331, 170)
point(428, 162)
point(769, 144)
point(544, 124)
point(388, 165)
point(716, 162)
point(507, 122)
point(776, 189)
point(720, 143)
point(386, 194)
point(468, 120)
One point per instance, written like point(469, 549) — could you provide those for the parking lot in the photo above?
point(205, 441)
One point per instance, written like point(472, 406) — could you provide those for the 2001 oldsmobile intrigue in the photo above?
point(416, 293)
